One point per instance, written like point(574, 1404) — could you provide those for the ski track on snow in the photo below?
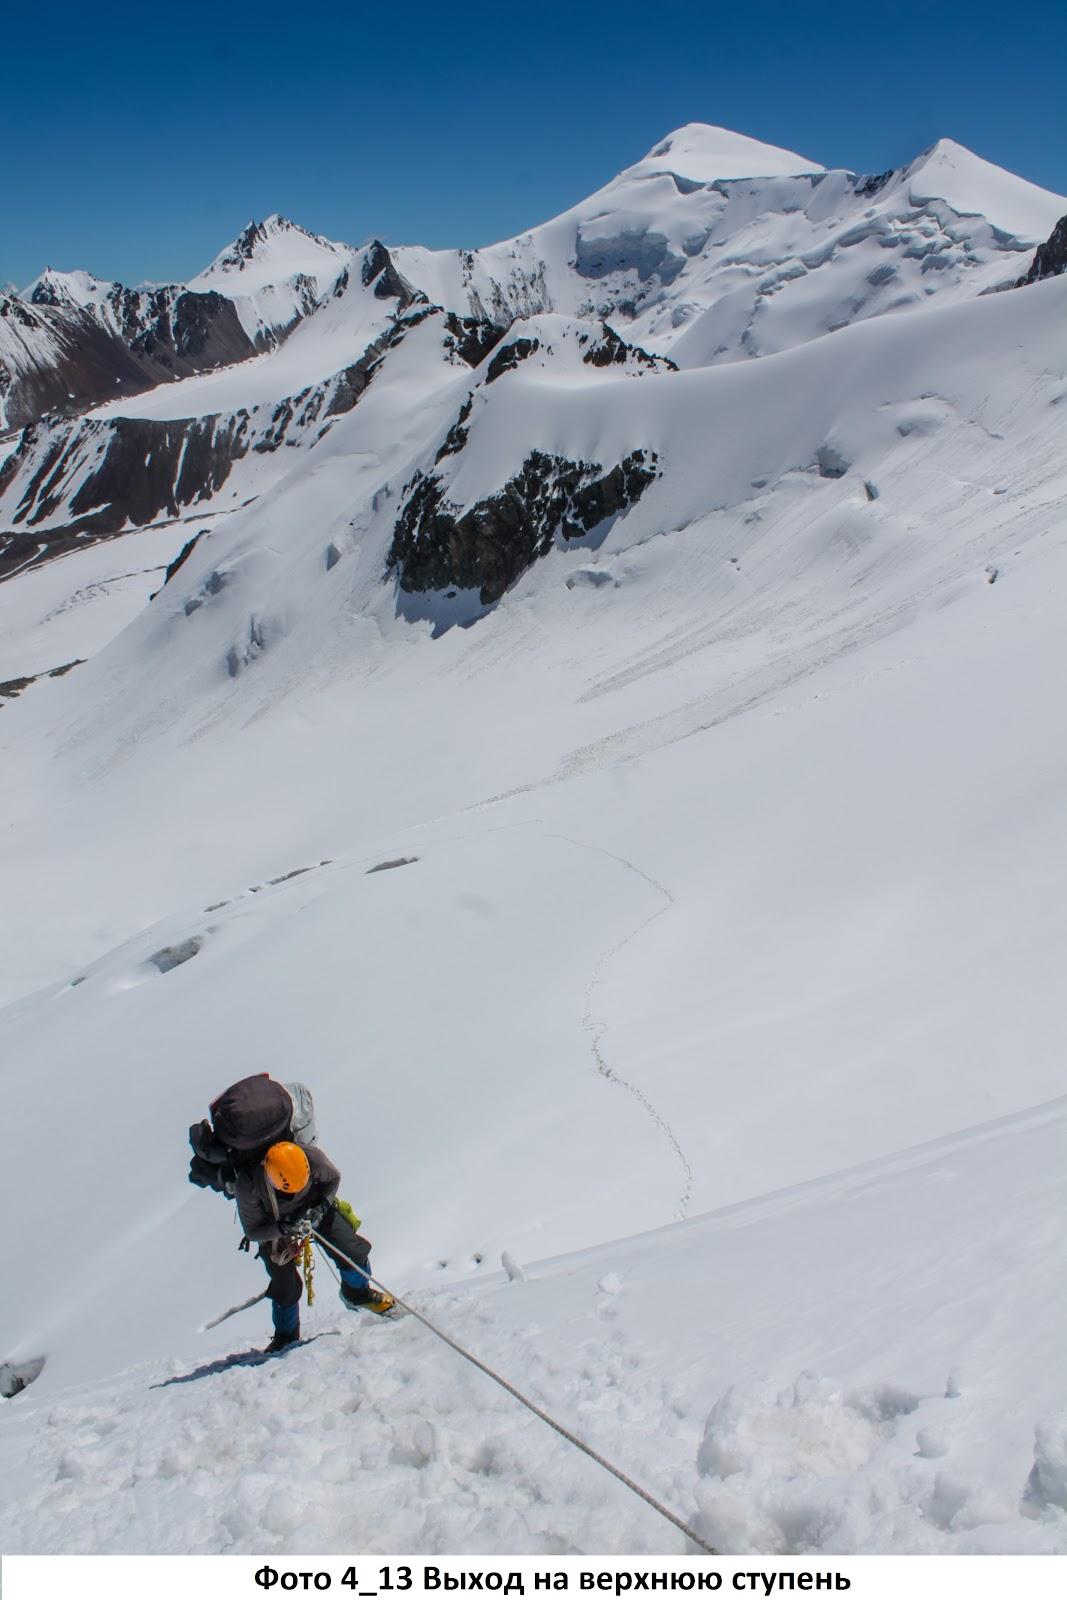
point(598, 1030)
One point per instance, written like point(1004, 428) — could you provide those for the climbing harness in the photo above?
point(516, 1394)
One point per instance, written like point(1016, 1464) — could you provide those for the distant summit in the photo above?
point(702, 151)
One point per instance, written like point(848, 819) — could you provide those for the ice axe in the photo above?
point(232, 1312)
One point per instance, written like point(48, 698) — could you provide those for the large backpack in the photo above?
point(257, 1111)
point(302, 1128)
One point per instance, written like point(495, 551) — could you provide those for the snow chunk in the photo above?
point(1046, 1486)
point(16, 1375)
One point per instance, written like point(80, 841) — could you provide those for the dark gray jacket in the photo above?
point(263, 1209)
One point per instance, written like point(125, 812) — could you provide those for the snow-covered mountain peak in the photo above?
point(701, 151)
point(275, 272)
point(76, 288)
point(974, 187)
point(265, 252)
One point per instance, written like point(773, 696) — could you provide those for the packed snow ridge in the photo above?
point(674, 593)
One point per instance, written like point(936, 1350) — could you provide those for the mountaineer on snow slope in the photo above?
point(260, 1148)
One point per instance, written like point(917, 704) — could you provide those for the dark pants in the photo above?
point(286, 1284)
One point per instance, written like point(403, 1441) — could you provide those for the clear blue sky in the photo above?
point(138, 140)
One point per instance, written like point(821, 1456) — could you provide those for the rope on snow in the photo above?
point(558, 1427)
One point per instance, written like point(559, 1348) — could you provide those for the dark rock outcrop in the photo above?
point(13, 687)
point(870, 184)
point(488, 547)
point(148, 468)
point(456, 437)
point(472, 338)
point(68, 362)
point(380, 270)
point(606, 349)
point(180, 559)
point(73, 357)
point(145, 470)
point(508, 357)
point(1051, 257)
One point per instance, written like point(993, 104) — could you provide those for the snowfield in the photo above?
point(687, 923)
point(697, 1355)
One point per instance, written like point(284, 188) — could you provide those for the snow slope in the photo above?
point(79, 604)
point(724, 899)
point(696, 1357)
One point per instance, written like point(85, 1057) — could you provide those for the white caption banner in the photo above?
point(383, 1578)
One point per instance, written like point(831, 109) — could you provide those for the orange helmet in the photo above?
point(287, 1167)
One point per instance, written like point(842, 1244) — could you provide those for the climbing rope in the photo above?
point(307, 1261)
point(558, 1427)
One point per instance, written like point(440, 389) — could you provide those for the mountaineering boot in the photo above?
point(283, 1338)
point(286, 1327)
point(366, 1299)
point(379, 1302)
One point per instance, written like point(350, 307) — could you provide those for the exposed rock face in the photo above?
point(144, 470)
point(180, 559)
point(65, 358)
point(873, 183)
point(380, 270)
point(606, 349)
point(488, 547)
point(62, 361)
point(456, 436)
point(184, 332)
point(244, 246)
point(508, 357)
point(1051, 257)
point(523, 292)
point(13, 687)
point(173, 325)
point(473, 337)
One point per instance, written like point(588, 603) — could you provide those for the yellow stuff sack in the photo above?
point(354, 1222)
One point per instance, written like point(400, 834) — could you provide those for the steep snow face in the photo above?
point(776, 265)
point(943, 1269)
point(275, 273)
point(973, 187)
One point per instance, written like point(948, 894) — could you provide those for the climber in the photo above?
point(284, 1185)
point(293, 1187)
